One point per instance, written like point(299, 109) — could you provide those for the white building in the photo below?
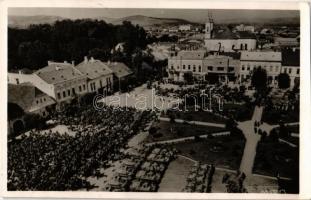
point(29, 98)
point(202, 66)
point(242, 27)
point(291, 65)
point(269, 60)
point(228, 41)
point(99, 75)
point(185, 27)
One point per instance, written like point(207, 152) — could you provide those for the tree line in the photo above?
point(71, 40)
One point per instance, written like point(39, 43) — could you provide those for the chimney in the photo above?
point(65, 62)
point(49, 63)
point(20, 72)
point(108, 62)
point(92, 59)
point(85, 59)
point(294, 49)
point(73, 63)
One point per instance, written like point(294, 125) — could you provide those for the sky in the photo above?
point(193, 15)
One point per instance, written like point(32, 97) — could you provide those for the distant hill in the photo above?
point(149, 21)
point(261, 20)
point(25, 21)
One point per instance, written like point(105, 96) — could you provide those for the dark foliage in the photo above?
point(72, 40)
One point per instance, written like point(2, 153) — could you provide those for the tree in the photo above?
point(283, 81)
point(259, 79)
point(188, 76)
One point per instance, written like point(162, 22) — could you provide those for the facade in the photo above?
point(291, 65)
point(269, 60)
point(242, 27)
point(99, 75)
point(185, 27)
point(121, 74)
point(228, 41)
point(29, 98)
point(62, 81)
point(202, 66)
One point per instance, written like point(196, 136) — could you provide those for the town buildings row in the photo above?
point(61, 82)
point(214, 67)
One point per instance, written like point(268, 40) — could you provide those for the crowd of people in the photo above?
point(56, 161)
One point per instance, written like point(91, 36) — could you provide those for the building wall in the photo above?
point(293, 72)
point(273, 69)
point(100, 82)
point(229, 45)
point(17, 78)
point(64, 90)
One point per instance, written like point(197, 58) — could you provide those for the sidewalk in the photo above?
point(194, 122)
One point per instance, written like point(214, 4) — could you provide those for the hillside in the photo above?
point(25, 21)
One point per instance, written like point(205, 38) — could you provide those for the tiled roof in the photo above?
point(93, 68)
point(191, 55)
point(119, 69)
point(227, 34)
point(58, 72)
point(290, 57)
point(24, 95)
point(261, 56)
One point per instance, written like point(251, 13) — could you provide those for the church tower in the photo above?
point(209, 27)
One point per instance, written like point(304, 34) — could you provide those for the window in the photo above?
point(243, 68)
point(297, 71)
point(245, 46)
point(37, 102)
point(285, 70)
point(101, 83)
point(220, 68)
point(73, 91)
point(80, 89)
point(184, 67)
point(172, 67)
point(290, 70)
point(248, 68)
point(194, 68)
point(83, 86)
point(241, 47)
point(58, 96)
point(200, 68)
point(17, 81)
point(44, 99)
point(230, 69)
point(188, 67)
point(177, 66)
point(68, 91)
point(210, 68)
point(64, 94)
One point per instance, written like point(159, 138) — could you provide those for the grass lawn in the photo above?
point(228, 155)
point(274, 116)
point(203, 116)
point(241, 112)
point(273, 157)
point(168, 131)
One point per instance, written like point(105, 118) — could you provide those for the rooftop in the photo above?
point(261, 56)
point(58, 72)
point(228, 34)
point(24, 95)
point(191, 55)
point(93, 68)
point(119, 69)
